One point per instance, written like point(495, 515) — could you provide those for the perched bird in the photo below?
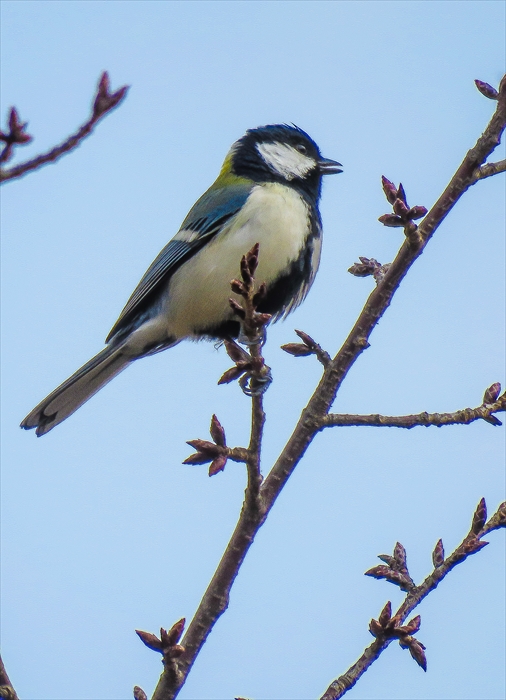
point(267, 192)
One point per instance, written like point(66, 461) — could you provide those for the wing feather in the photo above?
point(206, 218)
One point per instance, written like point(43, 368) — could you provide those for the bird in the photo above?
point(267, 192)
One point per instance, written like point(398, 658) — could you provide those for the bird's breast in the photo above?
point(276, 217)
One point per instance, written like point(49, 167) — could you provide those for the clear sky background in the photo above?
point(104, 530)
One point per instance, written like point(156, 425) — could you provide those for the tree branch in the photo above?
point(378, 302)
point(104, 102)
point(216, 598)
point(390, 628)
point(6, 688)
point(462, 417)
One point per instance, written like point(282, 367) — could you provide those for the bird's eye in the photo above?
point(301, 148)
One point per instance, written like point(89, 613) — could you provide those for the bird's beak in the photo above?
point(327, 166)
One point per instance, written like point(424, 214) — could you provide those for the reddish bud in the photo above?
point(235, 352)
point(106, 100)
point(487, 90)
point(400, 555)
point(500, 515)
point(260, 320)
point(150, 640)
point(260, 294)
point(306, 339)
point(237, 287)
point(416, 213)
point(367, 267)
point(385, 614)
point(400, 193)
point(175, 632)
point(297, 349)
point(438, 555)
point(403, 581)
point(378, 571)
point(139, 694)
point(237, 308)
point(217, 465)
point(389, 189)
point(412, 626)
point(479, 517)
point(249, 263)
point(360, 270)
point(376, 629)
point(416, 649)
point(13, 119)
point(492, 420)
point(204, 446)
point(473, 546)
point(217, 432)
point(400, 208)
point(231, 375)
point(198, 458)
point(387, 559)
point(16, 135)
point(391, 220)
point(492, 393)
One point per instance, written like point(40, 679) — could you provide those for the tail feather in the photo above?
point(76, 390)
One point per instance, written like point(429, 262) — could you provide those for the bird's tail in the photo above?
point(76, 390)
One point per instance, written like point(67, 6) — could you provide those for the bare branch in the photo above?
point(376, 305)
point(255, 510)
point(462, 417)
point(6, 688)
point(387, 630)
point(103, 103)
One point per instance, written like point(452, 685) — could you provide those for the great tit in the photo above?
point(267, 192)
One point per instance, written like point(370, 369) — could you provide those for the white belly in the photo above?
point(274, 216)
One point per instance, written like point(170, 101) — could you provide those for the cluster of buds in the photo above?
point(388, 627)
point(369, 266)
point(251, 321)
point(167, 643)
point(15, 136)
point(307, 347)
point(250, 369)
point(105, 100)
point(251, 372)
point(215, 452)
point(395, 571)
point(403, 215)
point(472, 543)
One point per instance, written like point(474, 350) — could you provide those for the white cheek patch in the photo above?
point(285, 160)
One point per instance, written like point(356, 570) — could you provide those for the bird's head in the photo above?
point(281, 153)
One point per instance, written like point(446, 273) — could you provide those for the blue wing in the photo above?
point(205, 219)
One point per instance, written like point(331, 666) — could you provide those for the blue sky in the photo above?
point(104, 530)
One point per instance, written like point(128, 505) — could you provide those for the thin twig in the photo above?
point(462, 417)
point(489, 169)
point(471, 544)
point(104, 102)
